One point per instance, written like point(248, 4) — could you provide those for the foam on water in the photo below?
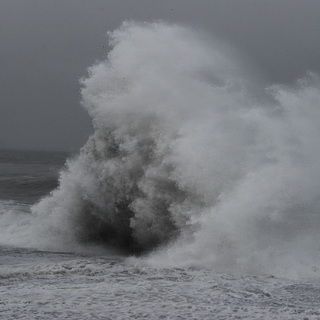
point(48, 285)
point(192, 159)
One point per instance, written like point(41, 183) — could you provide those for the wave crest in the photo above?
point(189, 149)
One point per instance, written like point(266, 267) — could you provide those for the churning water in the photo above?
point(196, 196)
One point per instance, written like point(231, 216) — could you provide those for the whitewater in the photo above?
point(196, 196)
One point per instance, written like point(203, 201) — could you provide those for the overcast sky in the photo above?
point(46, 46)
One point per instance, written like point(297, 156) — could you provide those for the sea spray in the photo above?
point(191, 157)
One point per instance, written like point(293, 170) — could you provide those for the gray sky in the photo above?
point(46, 47)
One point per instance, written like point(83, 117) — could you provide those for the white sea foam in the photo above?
point(192, 155)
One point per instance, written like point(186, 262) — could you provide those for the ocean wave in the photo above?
point(193, 157)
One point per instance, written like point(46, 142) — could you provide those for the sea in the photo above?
point(55, 284)
point(195, 197)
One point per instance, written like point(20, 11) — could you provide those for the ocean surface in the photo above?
point(196, 196)
point(100, 284)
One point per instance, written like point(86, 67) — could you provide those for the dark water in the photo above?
point(26, 176)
